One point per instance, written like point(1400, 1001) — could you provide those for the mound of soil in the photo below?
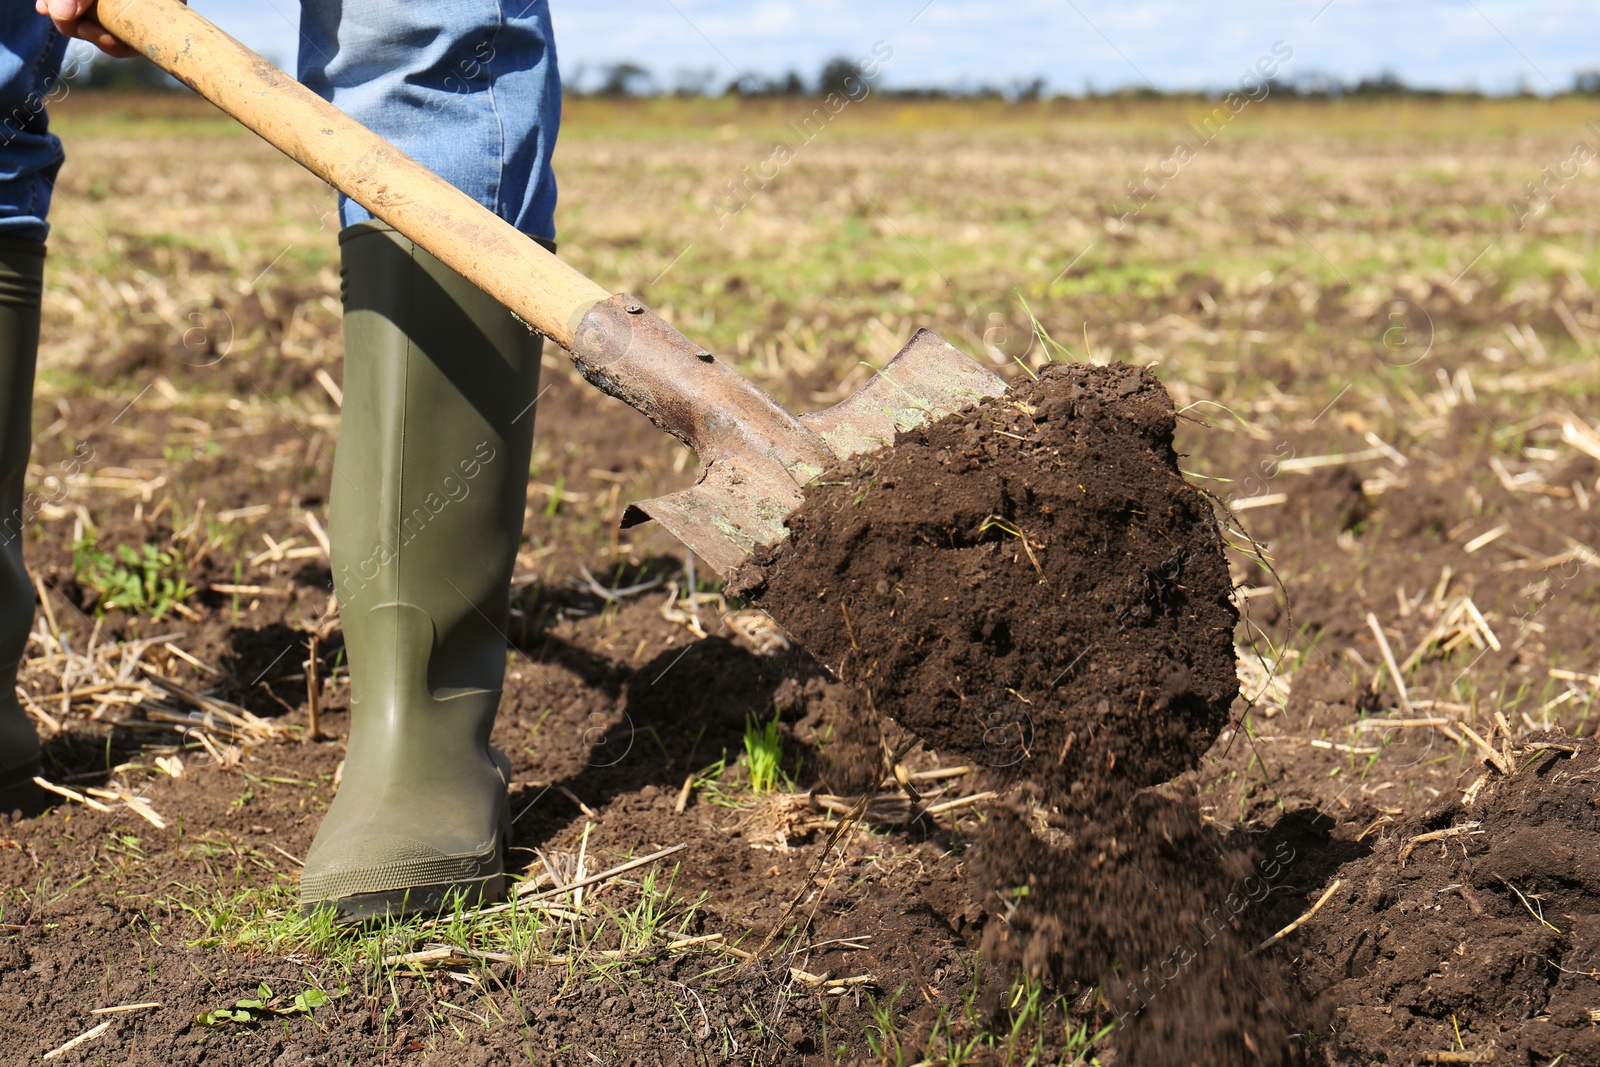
point(1481, 941)
point(1032, 585)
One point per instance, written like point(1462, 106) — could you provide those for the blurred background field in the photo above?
point(1336, 239)
point(954, 213)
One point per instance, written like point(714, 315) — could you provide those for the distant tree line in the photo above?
point(629, 79)
point(636, 80)
point(838, 75)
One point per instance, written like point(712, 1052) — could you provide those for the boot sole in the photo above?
point(405, 901)
point(412, 900)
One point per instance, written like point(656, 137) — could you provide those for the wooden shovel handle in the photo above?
point(483, 248)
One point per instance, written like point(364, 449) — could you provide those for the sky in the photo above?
point(1491, 45)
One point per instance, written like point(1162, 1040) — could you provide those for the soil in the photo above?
point(608, 707)
point(1482, 941)
point(1143, 915)
point(1032, 585)
point(1142, 901)
point(120, 939)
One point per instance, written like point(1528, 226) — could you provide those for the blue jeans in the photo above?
point(470, 90)
point(30, 155)
point(465, 86)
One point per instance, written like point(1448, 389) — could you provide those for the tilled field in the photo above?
point(1382, 374)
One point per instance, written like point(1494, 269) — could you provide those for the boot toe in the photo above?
point(394, 875)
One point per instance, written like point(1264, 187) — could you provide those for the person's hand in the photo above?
point(69, 17)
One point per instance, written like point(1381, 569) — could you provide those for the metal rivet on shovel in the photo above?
point(635, 309)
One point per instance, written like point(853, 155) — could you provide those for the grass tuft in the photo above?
point(763, 753)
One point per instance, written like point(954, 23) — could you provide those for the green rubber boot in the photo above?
point(21, 283)
point(430, 479)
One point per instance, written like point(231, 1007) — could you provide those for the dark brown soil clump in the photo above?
point(1032, 585)
point(1479, 942)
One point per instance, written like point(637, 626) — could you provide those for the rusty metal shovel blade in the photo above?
point(744, 495)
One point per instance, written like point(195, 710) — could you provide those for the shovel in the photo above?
point(755, 457)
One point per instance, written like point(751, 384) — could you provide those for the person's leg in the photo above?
point(467, 87)
point(30, 155)
point(430, 478)
point(30, 60)
point(431, 467)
